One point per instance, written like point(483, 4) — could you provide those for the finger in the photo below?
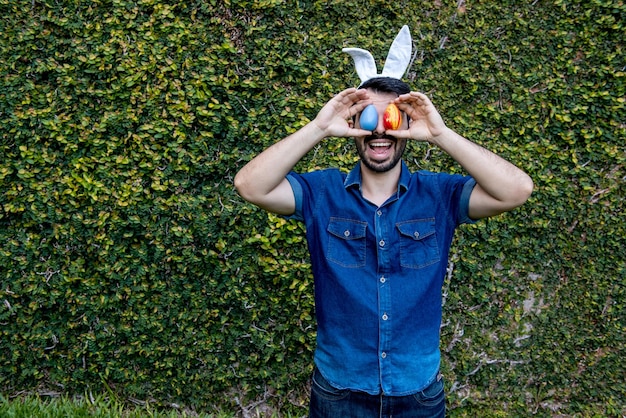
point(413, 104)
point(343, 95)
point(405, 107)
point(356, 108)
point(352, 95)
point(353, 132)
point(412, 97)
point(412, 110)
point(400, 133)
point(350, 102)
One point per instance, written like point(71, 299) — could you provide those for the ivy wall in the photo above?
point(129, 264)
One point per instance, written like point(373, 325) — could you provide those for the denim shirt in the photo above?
point(378, 274)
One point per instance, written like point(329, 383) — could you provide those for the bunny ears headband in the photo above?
point(397, 62)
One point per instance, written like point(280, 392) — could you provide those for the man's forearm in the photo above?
point(262, 181)
point(266, 171)
point(497, 177)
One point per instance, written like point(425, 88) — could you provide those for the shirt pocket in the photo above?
point(418, 243)
point(346, 242)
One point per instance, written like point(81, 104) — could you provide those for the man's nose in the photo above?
point(380, 126)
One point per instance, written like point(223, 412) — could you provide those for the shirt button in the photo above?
point(384, 355)
point(379, 213)
point(385, 317)
point(381, 243)
point(346, 233)
point(383, 279)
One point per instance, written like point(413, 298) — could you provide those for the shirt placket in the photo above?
point(384, 296)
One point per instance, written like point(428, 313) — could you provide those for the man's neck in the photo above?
point(378, 187)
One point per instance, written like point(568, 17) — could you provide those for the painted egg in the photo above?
point(369, 118)
point(392, 118)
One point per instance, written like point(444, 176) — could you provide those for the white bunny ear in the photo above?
point(363, 62)
point(399, 55)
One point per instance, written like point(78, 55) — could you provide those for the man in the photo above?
point(379, 239)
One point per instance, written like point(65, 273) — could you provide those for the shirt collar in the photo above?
point(354, 178)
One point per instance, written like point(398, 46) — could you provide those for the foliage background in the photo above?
point(128, 264)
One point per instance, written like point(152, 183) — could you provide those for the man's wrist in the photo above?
point(444, 138)
point(316, 130)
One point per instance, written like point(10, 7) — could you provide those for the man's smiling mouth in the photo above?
point(379, 145)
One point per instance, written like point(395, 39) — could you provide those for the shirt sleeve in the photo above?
point(296, 187)
point(466, 192)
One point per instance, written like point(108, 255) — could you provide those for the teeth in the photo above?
point(381, 145)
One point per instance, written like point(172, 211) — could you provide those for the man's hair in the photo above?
point(386, 85)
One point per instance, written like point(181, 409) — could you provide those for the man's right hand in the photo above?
point(262, 181)
point(335, 118)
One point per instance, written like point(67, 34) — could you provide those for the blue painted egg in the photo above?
point(369, 118)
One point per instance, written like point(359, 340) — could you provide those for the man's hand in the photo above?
point(262, 180)
point(335, 118)
point(425, 122)
point(500, 187)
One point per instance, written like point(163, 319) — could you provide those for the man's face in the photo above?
point(380, 152)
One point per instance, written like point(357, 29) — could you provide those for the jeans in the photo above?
point(328, 402)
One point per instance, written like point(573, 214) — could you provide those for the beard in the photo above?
point(380, 166)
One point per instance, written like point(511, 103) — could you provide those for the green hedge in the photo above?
point(128, 262)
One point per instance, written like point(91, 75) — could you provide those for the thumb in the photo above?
point(355, 132)
point(399, 133)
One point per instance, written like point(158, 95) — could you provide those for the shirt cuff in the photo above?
point(296, 187)
point(464, 217)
